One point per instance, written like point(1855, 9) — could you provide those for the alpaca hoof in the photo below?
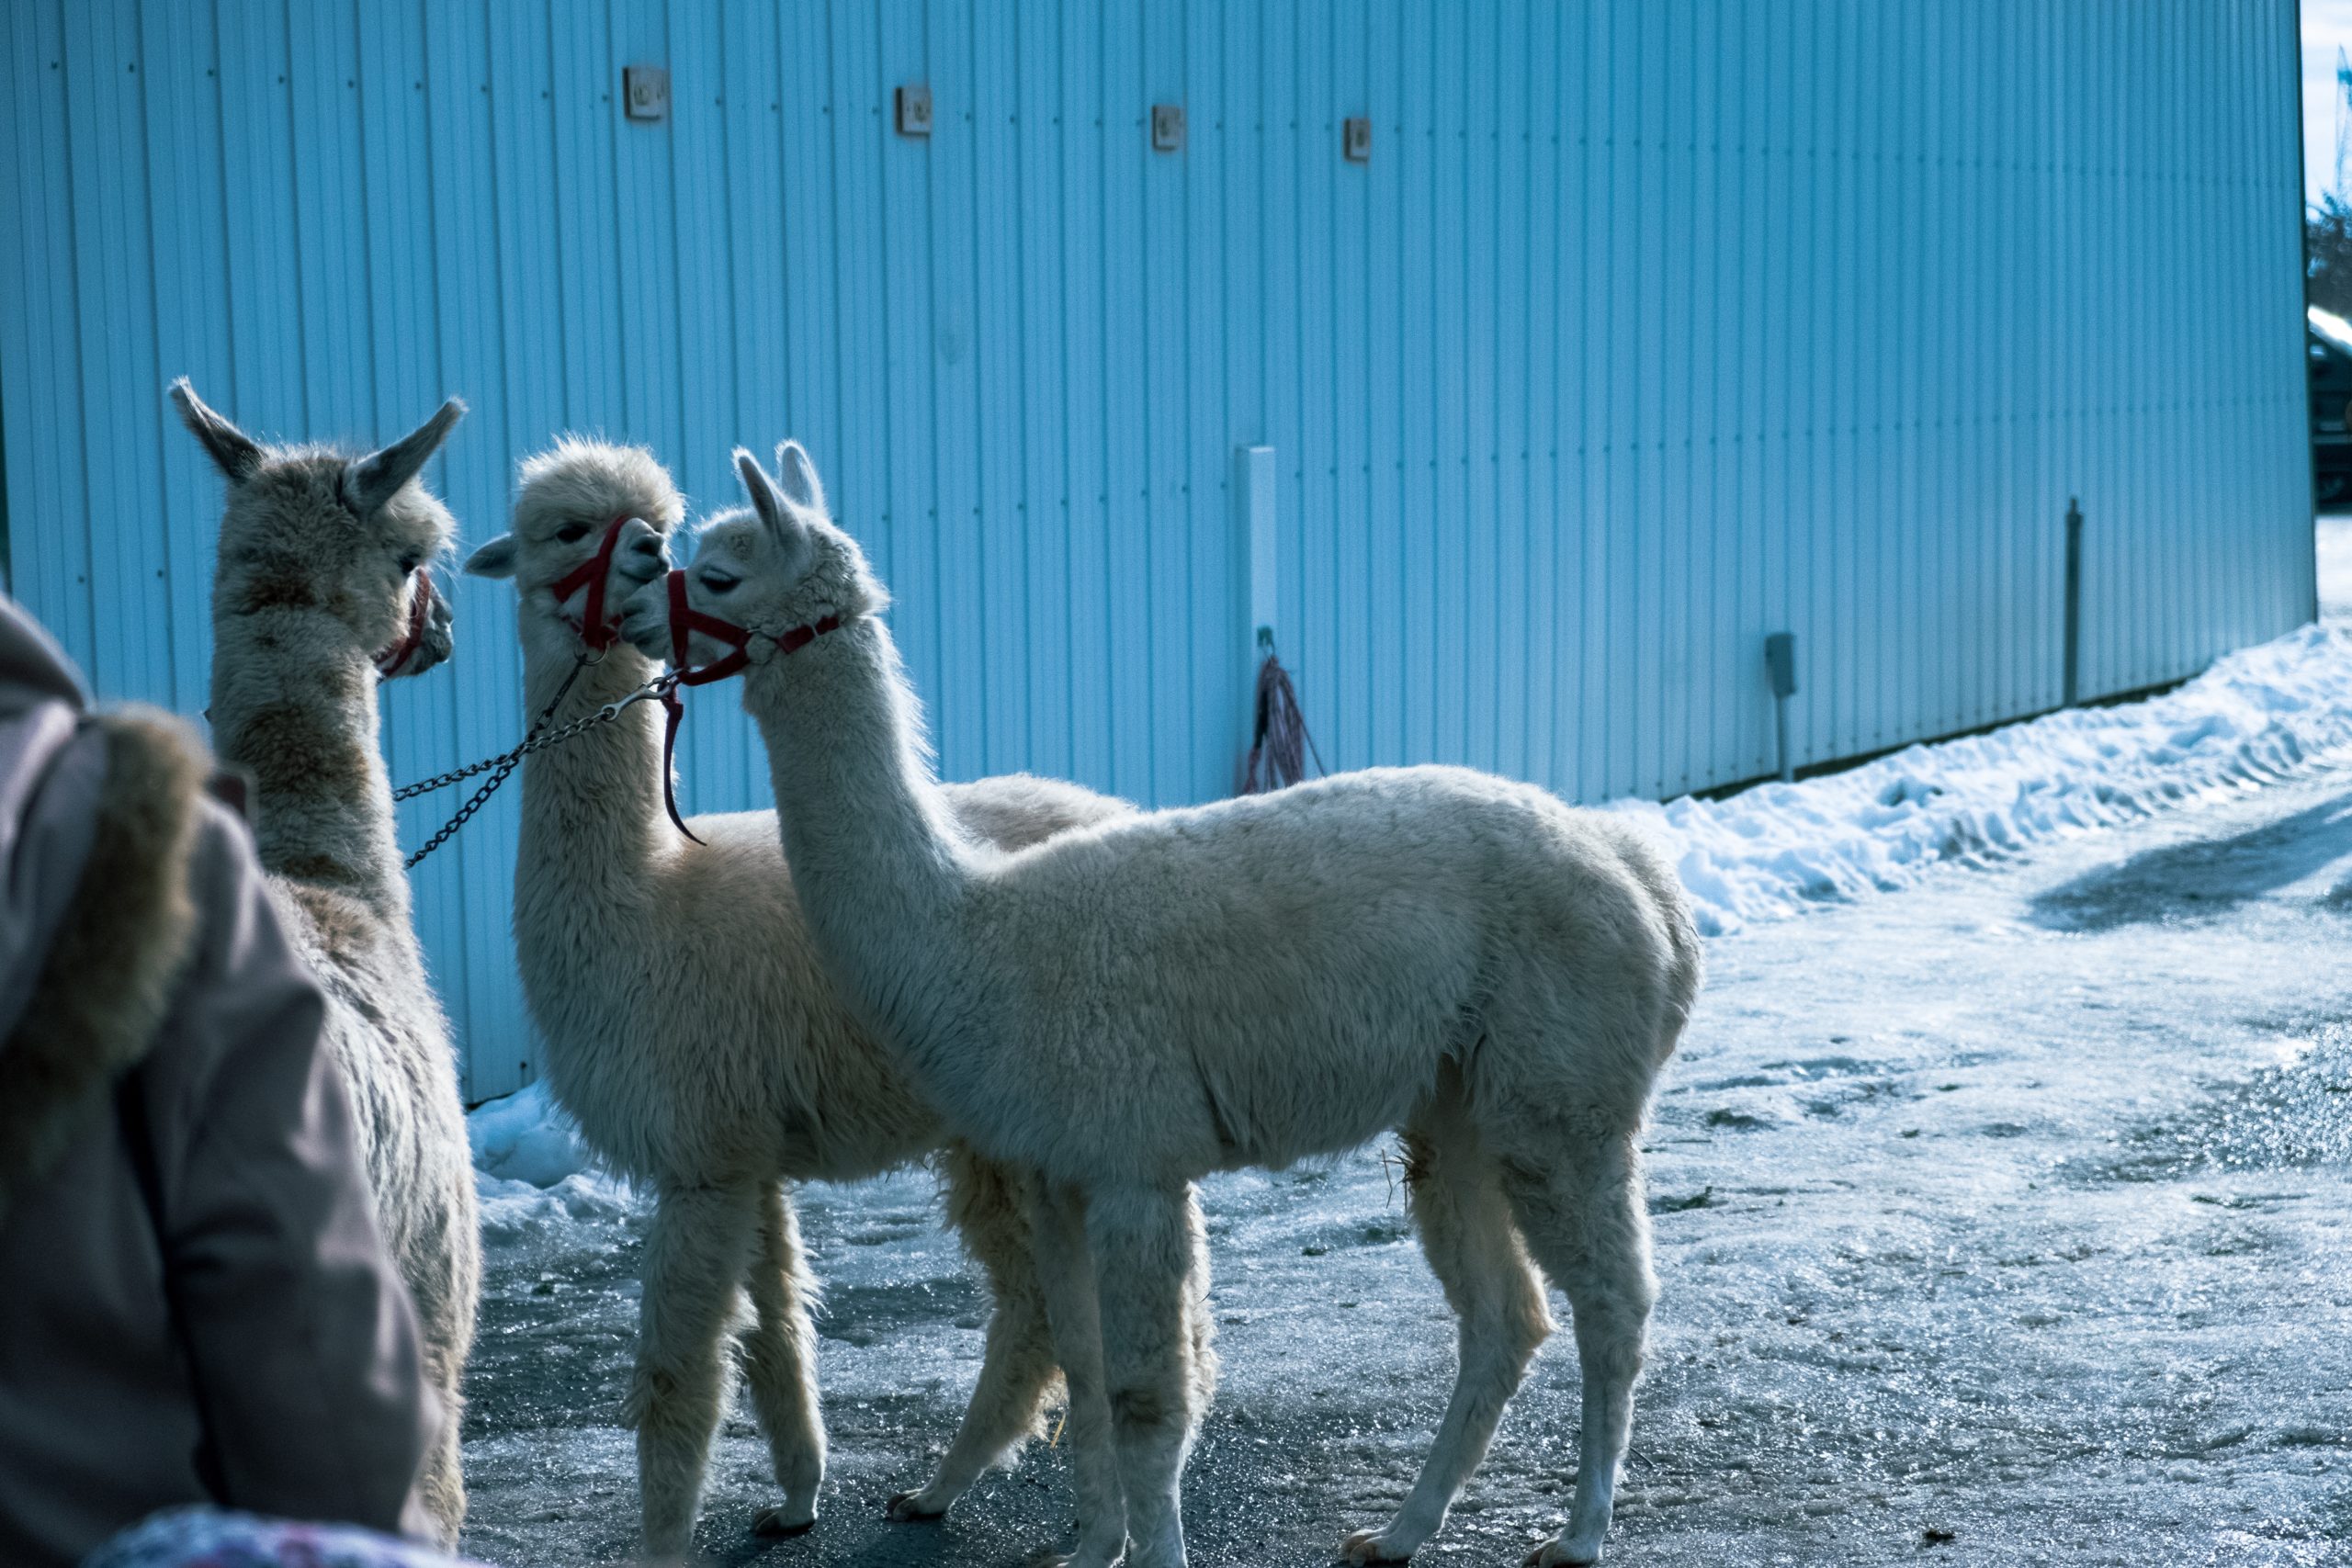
point(1372, 1546)
point(910, 1508)
point(1563, 1554)
point(775, 1524)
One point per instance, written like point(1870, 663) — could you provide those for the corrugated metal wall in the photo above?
point(1650, 327)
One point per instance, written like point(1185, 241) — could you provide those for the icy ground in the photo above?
point(2001, 1220)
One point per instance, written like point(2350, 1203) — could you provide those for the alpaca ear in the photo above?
point(237, 453)
point(801, 486)
point(784, 524)
point(772, 505)
point(374, 479)
point(495, 558)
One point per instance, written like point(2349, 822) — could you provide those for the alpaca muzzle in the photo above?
point(597, 629)
point(684, 621)
point(392, 660)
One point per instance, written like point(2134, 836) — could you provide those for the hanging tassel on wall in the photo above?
point(1279, 744)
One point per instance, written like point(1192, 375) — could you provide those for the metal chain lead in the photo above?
point(535, 741)
point(443, 780)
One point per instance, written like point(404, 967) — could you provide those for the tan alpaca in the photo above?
point(690, 1031)
point(319, 585)
point(1129, 1006)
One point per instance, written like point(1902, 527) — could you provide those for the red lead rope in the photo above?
point(684, 621)
point(595, 571)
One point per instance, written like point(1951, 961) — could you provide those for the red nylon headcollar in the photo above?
point(419, 609)
point(684, 621)
point(596, 571)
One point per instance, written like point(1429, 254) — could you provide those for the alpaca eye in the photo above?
point(572, 533)
point(409, 563)
point(719, 583)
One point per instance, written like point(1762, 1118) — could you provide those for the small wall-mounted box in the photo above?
point(914, 110)
point(1168, 127)
point(1355, 140)
point(645, 91)
point(1780, 662)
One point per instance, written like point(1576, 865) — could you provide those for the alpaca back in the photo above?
point(1275, 977)
point(1019, 811)
point(735, 1055)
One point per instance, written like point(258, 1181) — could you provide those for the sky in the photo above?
point(2327, 27)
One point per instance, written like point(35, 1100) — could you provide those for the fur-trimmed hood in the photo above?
point(51, 770)
point(97, 815)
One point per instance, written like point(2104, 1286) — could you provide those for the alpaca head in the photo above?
point(331, 545)
point(571, 495)
point(781, 564)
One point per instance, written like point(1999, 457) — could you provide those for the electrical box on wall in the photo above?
point(1167, 127)
point(645, 91)
point(914, 110)
point(1355, 140)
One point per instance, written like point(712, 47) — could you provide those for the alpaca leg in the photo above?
point(989, 1207)
point(1585, 1222)
point(695, 1254)
point(1065, 1278)
point(1199, 1316)
point(780, 1366)
point(1455, 1194)
point(1144, 1270)
point(442, 1484)
point(441, 1262)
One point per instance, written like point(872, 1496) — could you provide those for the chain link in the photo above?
point(443, 780)
point(538, 739)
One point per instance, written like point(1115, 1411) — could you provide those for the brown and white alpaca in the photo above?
point(1127, 1007)
point(692, 1034)
point(321, 587)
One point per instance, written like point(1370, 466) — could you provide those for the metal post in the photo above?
point(2070, 686)
point(1780, 663)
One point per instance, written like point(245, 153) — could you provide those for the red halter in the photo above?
point(594, 630)
point(420, 608)
point(684, 621)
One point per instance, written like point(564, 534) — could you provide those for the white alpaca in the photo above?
point(1124, 1009)
point(692, 1034)
point(319, 588)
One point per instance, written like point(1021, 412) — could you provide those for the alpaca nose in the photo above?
point(647, 558)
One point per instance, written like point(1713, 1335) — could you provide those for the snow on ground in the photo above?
point(2001, 1222)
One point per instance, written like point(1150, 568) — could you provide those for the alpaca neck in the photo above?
point(594, 830)
point(299, 714)
point(877, 863)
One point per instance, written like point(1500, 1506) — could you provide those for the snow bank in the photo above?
point(1771, 850)
point(532, 1170)
point(2335, 567)
point(514, 1211)
point(526, 1138)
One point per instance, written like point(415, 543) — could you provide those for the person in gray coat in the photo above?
point(193, 1303)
